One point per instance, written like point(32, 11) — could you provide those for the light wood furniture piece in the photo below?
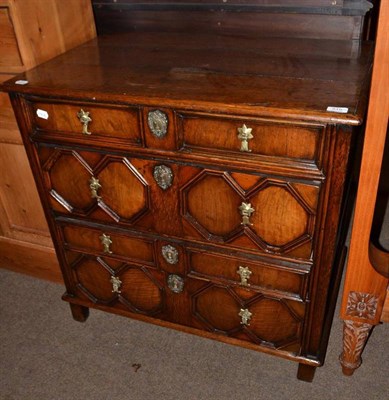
point(31, 32)
point(366, 282)
point(197, 179)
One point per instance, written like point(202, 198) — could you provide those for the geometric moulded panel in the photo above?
point(279, 217)
point(210, 204)
point(70, 181)
point(275, 322)
point(271, 321)
point(123, 190)
point(113, 283)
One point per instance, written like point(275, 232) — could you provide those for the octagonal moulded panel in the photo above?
point(218, 308)
point(274, 322)
point(69, 178)
point(123, 189)
point(279, 217)
point(211, 204)
point(94, 280)
point(140, 290)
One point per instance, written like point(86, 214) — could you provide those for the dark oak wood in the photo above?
point(302, 19)
point(306, 372)
point(171, 247)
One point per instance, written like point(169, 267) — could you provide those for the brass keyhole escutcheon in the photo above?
point(170, 254)
point(85, 119)
point(175, 283)
point(158, 123)
point(163, 175)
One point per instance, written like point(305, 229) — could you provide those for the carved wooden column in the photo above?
point(367, 275)
point(355, 334)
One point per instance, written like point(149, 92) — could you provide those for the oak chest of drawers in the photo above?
point(188, 188)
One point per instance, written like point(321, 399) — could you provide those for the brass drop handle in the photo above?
point(116, 284)
point(244, 274)
point(244, 135)
point(94, 186)
point(245, 211)
point(245, 315)
point(106, 241)
point(85, 119)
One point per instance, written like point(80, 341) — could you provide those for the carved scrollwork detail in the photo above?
point(158, 123)
point(355, 335)
point(163, 175)
point(361, 305)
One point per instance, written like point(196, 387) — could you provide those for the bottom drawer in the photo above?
point(224, 309)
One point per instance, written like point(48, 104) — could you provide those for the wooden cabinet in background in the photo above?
point(31, 32)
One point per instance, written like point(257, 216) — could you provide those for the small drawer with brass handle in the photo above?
point(78, 123)
point(96, 241)
point(251, 138)
point(85, 119)
point(248, 274)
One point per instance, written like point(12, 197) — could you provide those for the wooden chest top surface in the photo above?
point(297, 78)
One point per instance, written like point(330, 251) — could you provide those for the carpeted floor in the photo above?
point(46, 355)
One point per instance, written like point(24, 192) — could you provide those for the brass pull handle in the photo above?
point(175, 283)
point(245, 274)
point(84, 118)
point(106, 241)
point(94, 186)
point(158, 123)
point(244, 135)
point(245, 315)
point(116, 284)
point(245, 211)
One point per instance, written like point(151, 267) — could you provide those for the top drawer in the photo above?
point(80, 122)
point(250, 138)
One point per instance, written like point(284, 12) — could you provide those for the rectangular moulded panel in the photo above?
point(249, 274)
point(82, 122)
point(87, 239)
point(250, 139)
